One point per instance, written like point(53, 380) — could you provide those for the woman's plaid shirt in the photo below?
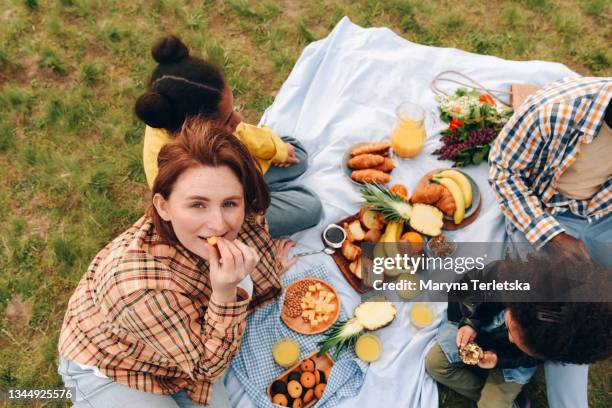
point(143, 313)
point(540, 142)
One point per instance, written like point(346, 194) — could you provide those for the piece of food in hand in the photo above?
point(350, 251)
point(212, 240)
point(457, 194)
point(354, 231)
point(471, 354)
point(370, 176)
point(365, 161)
point(400, 189)
point(371, 219)
point(374, 148)
point(355, 268)
point(463, 182)
point(387, 165)
point(435, 194)
point(373, 236)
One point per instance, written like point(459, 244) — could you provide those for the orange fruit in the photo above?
point(415, 239)
point(400, 190)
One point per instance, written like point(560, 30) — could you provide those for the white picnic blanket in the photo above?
point(342, 90)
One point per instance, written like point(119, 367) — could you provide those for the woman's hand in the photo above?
point(489, 360)
point(465, 335)
point(229, 266)
point(291, 157)
point(282, 255)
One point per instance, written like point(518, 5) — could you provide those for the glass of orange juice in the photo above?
point(286, 352)
point(408, 136)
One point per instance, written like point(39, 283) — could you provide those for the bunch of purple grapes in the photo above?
point(453, 144)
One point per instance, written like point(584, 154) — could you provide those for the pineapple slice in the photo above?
point(374, 315)
point(426, 219)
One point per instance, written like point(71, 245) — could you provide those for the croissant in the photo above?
point(370, 176)
point(437, 195)
point(365, 161)
point(376, 147)
point(387, 165)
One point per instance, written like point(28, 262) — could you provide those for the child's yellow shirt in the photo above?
point(262, 142)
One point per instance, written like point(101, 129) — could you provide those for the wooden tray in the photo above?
point(449, 225)
point(343, 263)
point(323, 363)
point(298, 324)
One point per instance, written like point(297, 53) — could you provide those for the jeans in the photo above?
point(294, 207)
point(567, 384)
point(92, 391)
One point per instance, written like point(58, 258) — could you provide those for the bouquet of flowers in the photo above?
point(474, 121)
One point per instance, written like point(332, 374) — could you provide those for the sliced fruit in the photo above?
point(390, 205)
point(462, 181)
point(457, 194)
point(369, 315)
point(426, 219)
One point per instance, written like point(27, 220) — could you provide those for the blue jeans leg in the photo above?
point(566, 384)
point(293, 208)
point(93, 391)
point(280, 175)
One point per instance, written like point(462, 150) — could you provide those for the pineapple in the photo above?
point(369, 315)
point(392, 206)
point(423, 218)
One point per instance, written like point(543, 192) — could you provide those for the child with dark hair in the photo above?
point(513, 338)
point(184, 86)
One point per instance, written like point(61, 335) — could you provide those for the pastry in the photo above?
point(307, 365)
point(373, 148)
point(471, 354)
point(370, 176)
point(366, 161)
point(387, 165)
point(308, 380)
point(294, 389)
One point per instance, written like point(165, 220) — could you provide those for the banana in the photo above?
point(457, 194)
point(462, 181)
point(392, 235)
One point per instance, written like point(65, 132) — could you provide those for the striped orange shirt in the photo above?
point(143, 313)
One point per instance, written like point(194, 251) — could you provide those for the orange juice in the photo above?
point(368, 348)
point(421, 315)
point(286, 352)
point(408, 136)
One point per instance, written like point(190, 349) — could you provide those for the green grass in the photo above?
point(70, 145)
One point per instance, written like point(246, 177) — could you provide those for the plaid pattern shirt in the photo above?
point(143, 313)
point(538, 144)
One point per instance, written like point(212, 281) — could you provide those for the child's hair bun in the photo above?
point(169, 49)
point(155, 110)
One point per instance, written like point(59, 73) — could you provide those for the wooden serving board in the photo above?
point(323, 363)
point(449, 225)
point(343, 263)
point(298, 324)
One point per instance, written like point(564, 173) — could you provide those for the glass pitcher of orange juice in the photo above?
point(408, 136)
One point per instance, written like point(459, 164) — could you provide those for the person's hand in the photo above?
point(489, 360)
point(291, 157)
point(568, 247)
point(229, 266)
point(465, 335)
point(282, 255)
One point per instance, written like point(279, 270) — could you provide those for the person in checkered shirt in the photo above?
point(159, 315)
point(551, 169)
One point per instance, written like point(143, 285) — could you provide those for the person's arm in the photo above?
point(513, 358)
point(262, 142)
point(167, 322)
point(154, 140)
point(512, 159)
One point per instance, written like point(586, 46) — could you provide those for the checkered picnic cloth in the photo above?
point(255, 367)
